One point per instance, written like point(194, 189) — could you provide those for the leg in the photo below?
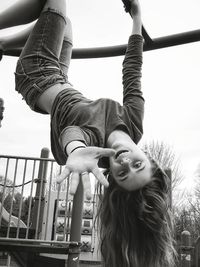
point(22, 12)
point(47, 35)
point(19, 39)
point(45, 101)
point(38, 68)
point(66, 51)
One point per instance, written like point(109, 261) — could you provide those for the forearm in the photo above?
point(136, 17)
point(17, 40)
point(74, 145)
point(71, 138)
point(137, 25)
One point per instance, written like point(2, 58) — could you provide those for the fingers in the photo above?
point(105, 152)
point(99, 175)
point(86, 185)
point(75, 178)
point(64, 174)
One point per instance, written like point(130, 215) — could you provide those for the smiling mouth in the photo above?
point(120, 152)
point(123, 179)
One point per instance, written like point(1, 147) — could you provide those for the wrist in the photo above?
point(74, 145)
point(77, 148)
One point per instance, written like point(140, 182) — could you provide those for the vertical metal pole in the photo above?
point(39, 195)
point(186, 249)
point(76, 222)
point(197, 252)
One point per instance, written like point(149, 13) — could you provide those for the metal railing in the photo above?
point(32, 213)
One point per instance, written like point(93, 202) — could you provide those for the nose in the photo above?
point(125, 162)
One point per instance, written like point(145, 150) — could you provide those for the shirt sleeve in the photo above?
point(132, 65)
point(72, 133)
point(133, 100)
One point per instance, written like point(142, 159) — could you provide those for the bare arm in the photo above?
point(136, 17)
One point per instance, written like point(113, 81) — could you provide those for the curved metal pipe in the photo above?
point(119, 50)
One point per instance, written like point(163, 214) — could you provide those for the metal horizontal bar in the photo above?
point(119, 50)
point(5, 246)
point(41, 246)
point(39, 242)
point(26, 158)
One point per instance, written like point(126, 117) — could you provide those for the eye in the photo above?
point(137, 164)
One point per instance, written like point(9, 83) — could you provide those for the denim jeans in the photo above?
point(45, 58)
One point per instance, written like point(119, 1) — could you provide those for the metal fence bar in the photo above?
point(48, 201)
point(4, 189)
point(27, 158)
point(56, 209)
point(21, 200)
point(13, 191)
point(30, 199)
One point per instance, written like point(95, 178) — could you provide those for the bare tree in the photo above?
point(164, 155)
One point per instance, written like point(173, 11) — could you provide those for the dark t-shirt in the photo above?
point(75, 117)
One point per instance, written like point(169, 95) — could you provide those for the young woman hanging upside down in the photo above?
point(136, 229)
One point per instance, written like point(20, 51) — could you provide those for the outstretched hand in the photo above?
point(82, 162)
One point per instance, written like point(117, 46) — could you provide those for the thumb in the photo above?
point(105, 152)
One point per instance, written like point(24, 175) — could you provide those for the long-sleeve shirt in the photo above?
point(75, 117)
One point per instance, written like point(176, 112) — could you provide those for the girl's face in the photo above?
point(130, 167)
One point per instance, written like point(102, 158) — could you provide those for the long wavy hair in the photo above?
point(136, 228)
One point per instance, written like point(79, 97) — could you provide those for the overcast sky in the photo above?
point(170, 79)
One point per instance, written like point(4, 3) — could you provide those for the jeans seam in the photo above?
point(42, 43)
point(56, 11)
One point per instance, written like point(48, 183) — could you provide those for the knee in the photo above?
point(68, 31)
